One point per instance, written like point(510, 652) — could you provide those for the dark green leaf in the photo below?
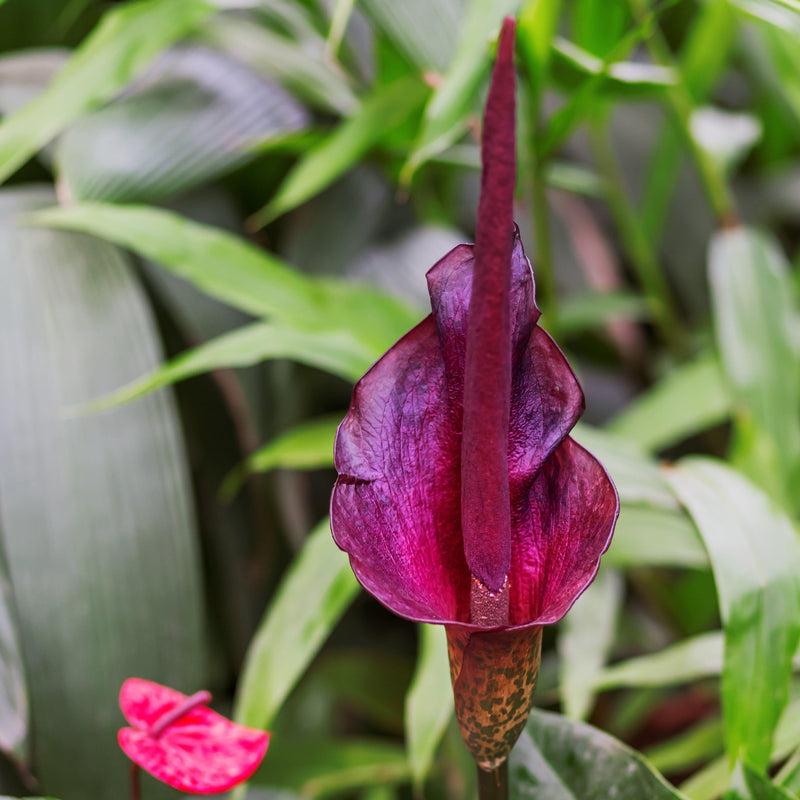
point(188, 120)
point(96, 511)
point(317, 589)
point(337, 353)
point(454, 97)
point(754, 324)
point(121, 46)
point(317, 768)
point(307, 73)
point(560, 759)
point(684, 662)
point(379, 114)
point(755, 557)
point(687, 401)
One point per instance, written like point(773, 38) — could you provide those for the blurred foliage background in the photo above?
point(217, 214)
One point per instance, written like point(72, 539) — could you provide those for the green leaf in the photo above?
point(688, 400)
point(755, 557)
point(305, 71)
point(689, 749)
point(306, 446)
point(572, 67)
point(585, 638)
point(429, 703)
point(536, 26)
point(388, 108)
point(14, 711)
point(598, 25)
point(96, 512)
point(313, 595)
point(636, 475)
point(123, 44)
point(317, 768)
point(454, 97)
point(590, 311)
point(689, 660)
point(656, 537)
point(337, 353)
point(752, 785)
point(231, 270)
point(560, 759)
point(754, 325)
point(425, 32)
point(186, 122)
point(25, 74)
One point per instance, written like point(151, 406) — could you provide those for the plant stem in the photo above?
point(493, 784)
point(545, 272)
point(136, 792)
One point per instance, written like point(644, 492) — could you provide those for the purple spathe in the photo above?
point(396, 507)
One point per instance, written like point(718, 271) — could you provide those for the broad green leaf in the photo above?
point(306, 446)
point(14, 711)
point(429, 703)
point(585, 638)
point(572, 67)
point(559, 759)
point(590, 311)
point(379, 114)
point(754, 325)
point(425, 32)
point(313, 595)
point(755, 557)
point(657, 537)
point(684, 662)
point(318, 768)
point(96, 511)
point(123, 44)
point(188, 120)
point(454, 97)
point(337, 353)
point(689, 749)
point(236, 272)
point(686, 401)
point(309, 75)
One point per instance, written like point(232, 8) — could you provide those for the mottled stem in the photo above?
point(181, 710)
point(493, 784)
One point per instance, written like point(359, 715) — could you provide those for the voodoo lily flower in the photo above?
point(181, 741)
point(461, 500)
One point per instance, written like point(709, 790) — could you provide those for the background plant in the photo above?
point(247, 194)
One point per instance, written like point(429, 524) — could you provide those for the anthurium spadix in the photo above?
point(461, 499)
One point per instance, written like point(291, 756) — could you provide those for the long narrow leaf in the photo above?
point(122, 45)
point(755, 557)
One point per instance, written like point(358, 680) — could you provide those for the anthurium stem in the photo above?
point(493, 784)
point(136, 792)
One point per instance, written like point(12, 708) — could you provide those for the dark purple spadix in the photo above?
point(485, 501)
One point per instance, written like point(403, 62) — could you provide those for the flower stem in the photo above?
point(136, 792)
point(493, 784)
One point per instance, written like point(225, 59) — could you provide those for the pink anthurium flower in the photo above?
point(181, 741)
point(461, 499)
